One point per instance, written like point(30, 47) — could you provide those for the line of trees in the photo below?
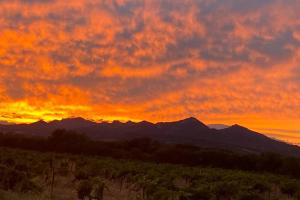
point(145, 149)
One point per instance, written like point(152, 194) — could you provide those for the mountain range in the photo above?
point(187, 131)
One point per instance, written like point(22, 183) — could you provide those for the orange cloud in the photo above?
point(223, 61)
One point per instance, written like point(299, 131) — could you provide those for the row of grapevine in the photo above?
point(92, 178)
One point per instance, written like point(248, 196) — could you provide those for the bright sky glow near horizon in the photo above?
point(222, 61)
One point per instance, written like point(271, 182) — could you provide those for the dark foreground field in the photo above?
point(30, 175)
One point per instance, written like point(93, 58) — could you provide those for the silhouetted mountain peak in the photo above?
point(74, 119)
point(241, 131)
point(130, 122)
point(238, 127)
point(40, 122)
point(192, 121)
point(72, 123)
point(146, 123)
point(185, 129)
point(116, 122)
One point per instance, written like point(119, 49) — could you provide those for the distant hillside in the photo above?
point(187, 131)
point(218, 126)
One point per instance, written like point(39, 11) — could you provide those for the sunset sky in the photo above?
point(222, 61)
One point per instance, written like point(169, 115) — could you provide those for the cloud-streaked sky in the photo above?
point(222, 61)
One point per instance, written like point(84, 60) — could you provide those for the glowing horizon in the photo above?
point(221, 61)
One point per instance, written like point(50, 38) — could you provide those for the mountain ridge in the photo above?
point(186, 131)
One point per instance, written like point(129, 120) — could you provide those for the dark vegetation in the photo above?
point(144, 149)
point(31, 175)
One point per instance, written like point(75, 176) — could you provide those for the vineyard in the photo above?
point(31, 175)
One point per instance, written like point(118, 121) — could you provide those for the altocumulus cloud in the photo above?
point(223, 60)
